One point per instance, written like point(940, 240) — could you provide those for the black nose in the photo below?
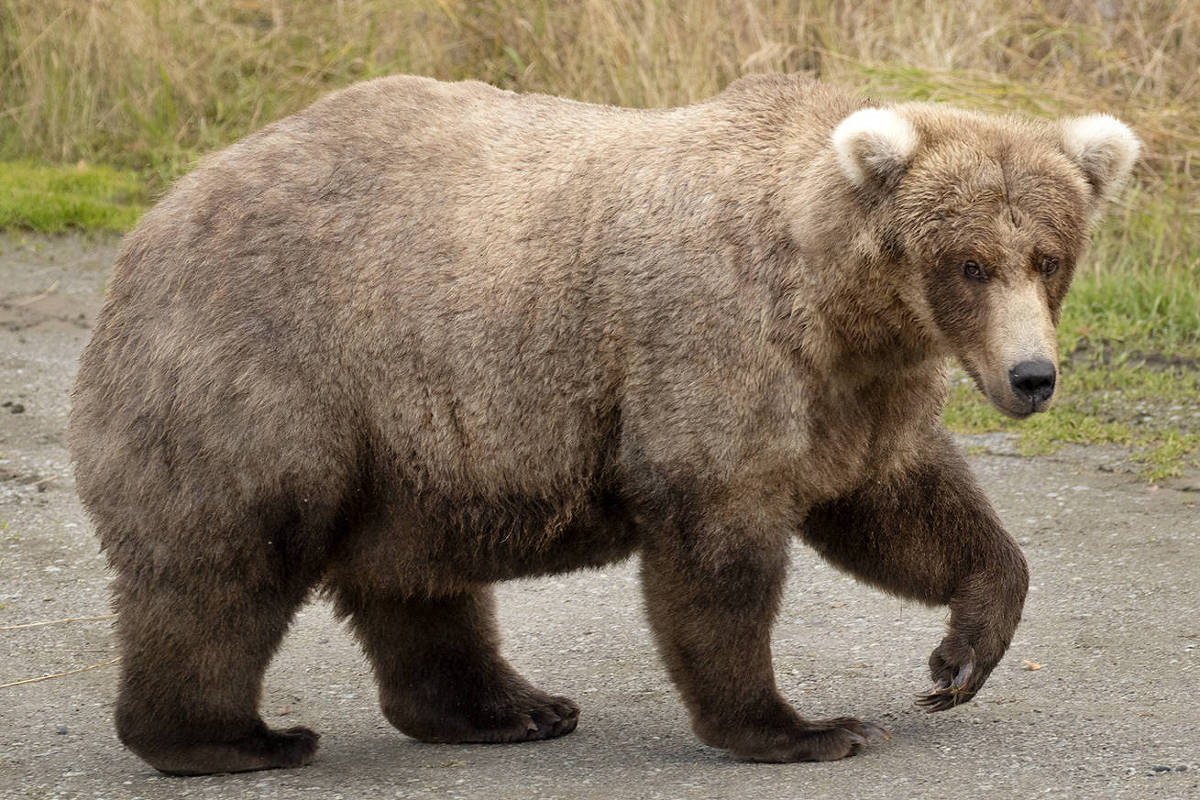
point(1033, 380)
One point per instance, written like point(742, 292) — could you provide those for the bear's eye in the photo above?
point(1048, 265)
point(974, 271)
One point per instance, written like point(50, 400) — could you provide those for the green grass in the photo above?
point(1134, 312)
point(54, 199)
point(1146, 407)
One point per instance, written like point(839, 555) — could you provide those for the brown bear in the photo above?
point(423, 337)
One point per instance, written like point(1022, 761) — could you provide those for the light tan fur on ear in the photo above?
point(1103, 147)
point(874, 144)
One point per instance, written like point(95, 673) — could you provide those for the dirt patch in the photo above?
point(1106, 353)
point(45, 309)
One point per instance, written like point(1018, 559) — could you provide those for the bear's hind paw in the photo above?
point(264, 749)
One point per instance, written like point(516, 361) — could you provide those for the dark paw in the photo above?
point(264, 749)
point(529, 716)
point(539, 717)
point(818, 740)
point(957, 677)
point(293, 747)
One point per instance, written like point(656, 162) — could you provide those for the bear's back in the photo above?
point(466, 278)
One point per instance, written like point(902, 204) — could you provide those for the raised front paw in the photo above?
point(958, 673)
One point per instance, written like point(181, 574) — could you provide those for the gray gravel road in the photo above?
point(1113, 618)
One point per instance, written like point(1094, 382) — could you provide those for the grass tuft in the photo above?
point(142, 82)
point(1138, 402)
point(49, 199)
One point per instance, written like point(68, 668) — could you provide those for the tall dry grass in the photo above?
point(153, 83)
point(117, 79)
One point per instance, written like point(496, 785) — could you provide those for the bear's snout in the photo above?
point(1032, 382)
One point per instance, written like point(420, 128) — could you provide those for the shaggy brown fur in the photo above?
point(423, 337)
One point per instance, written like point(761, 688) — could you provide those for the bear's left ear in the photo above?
point(874, 146)
point(1103, 147)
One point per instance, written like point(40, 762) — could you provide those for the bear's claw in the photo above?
point(530, 717)
point(815, 740)
point(948, 693)
point(869, 732)
point(544, 718)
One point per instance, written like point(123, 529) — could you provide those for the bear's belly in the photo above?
point(436, 544)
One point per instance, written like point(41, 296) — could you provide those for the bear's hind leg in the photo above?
point(193, 658)
point(441, 676)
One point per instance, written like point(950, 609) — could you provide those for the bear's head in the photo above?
point(981, 220)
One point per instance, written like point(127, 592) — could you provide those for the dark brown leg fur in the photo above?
point(712, 598)
point(931, 535)
point(441, 676)
point(192, 665)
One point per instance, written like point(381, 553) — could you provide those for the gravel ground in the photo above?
point(1113, 620)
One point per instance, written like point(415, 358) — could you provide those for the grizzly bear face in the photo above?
point(984, 219)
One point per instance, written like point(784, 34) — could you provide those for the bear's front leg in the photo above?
point(712, 592)
point(930, 534)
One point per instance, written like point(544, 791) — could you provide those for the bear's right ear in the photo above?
point(874, 146)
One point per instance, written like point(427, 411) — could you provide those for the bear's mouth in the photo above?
point(1001, 396)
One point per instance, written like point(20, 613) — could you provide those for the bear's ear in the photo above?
point(1103, 147)
point(874, 145)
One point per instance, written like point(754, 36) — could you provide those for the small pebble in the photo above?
point(1161, 768)
point(61, 730)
